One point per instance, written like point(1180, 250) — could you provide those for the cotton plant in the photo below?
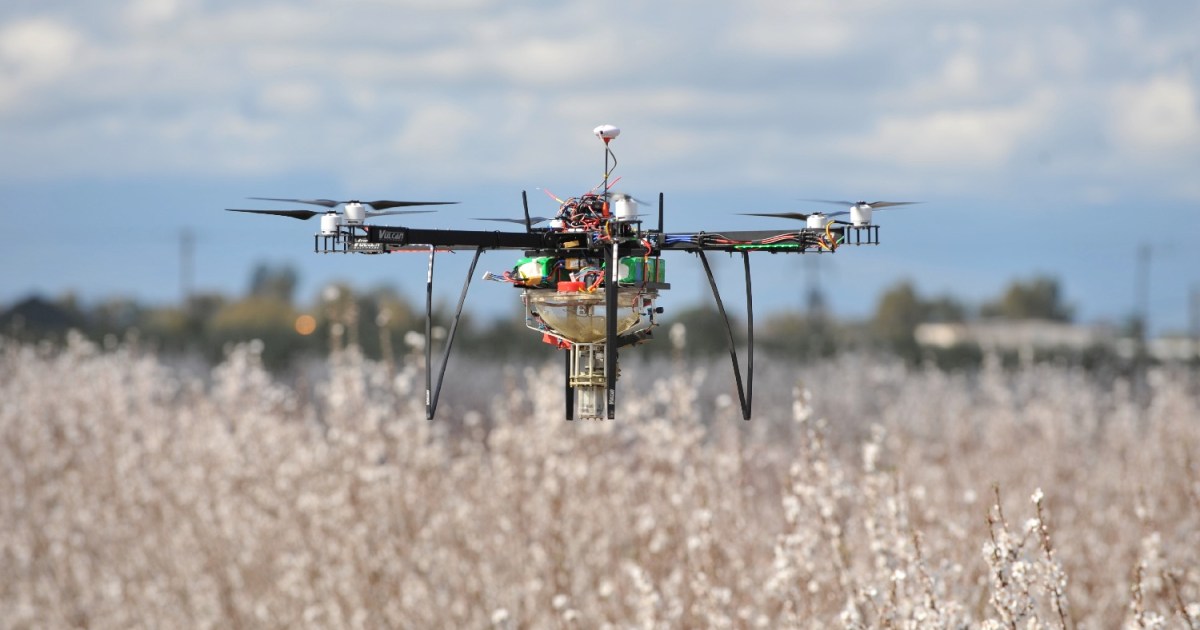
point(865, 493)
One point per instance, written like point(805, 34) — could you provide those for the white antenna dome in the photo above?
point(606, 132)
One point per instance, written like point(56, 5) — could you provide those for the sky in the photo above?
point(1042, 138)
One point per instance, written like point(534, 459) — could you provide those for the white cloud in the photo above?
point(792, 29)
point(961, 73)
point(439, 130)
point(1157, 115)
point(34, 52)
point(38, 48)
point(290, 97)
point(820, 37)
point(1066, 52)
point(547, 61)
point(957, 138)
point(433, 5)
point(142, 14)
point(757, 91)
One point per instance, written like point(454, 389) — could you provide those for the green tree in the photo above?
point(896, 317)
point(1039, 298)
point(800, 336)
point(705, 331)
point(901, 309)
point(270, 320)
point(275, 282)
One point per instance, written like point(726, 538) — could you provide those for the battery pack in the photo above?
point(636, 270)
point(536, 271)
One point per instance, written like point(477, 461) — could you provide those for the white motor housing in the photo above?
point(860, 215)
point(624, 207)
point(816, 221)
point(330, 222)
point(356, 213)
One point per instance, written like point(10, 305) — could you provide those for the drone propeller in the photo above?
point(532, 220)
point(621, 195)
point(860, 211)
point(799, 216)
point(864, 204)
point(382, 204)
point(304, 215)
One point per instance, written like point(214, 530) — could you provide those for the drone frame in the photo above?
point(620, 236)
point(382, 239)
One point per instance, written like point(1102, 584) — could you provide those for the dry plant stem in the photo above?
point(1180, 606)
point(995, 520)
point(1054, 581)
point(1138, 603)
point(926, 580)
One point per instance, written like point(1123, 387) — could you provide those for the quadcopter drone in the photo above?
point(589, 276)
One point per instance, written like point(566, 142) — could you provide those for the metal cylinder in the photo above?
point(860, 216)
point(356, 213)
point(330, 222)
point(625, 208)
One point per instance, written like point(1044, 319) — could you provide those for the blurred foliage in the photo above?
point(704, 329)
point(385, 325)
point(901, 309)
point(277, 282)
point(1038, 298)
point(257, 317)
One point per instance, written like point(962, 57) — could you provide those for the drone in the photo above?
point(590, 276)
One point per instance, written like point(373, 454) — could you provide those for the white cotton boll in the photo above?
point(1037, 496)
point(870, 456)
point(678, 336)
point(1020, 570)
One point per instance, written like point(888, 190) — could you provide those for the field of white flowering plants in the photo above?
point(136, 492)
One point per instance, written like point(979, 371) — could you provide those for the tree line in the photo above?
point(383, 324)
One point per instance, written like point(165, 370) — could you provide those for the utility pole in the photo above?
point(187, 246)
point(1142, 296)
point(1195, 321)
point(816, 298)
